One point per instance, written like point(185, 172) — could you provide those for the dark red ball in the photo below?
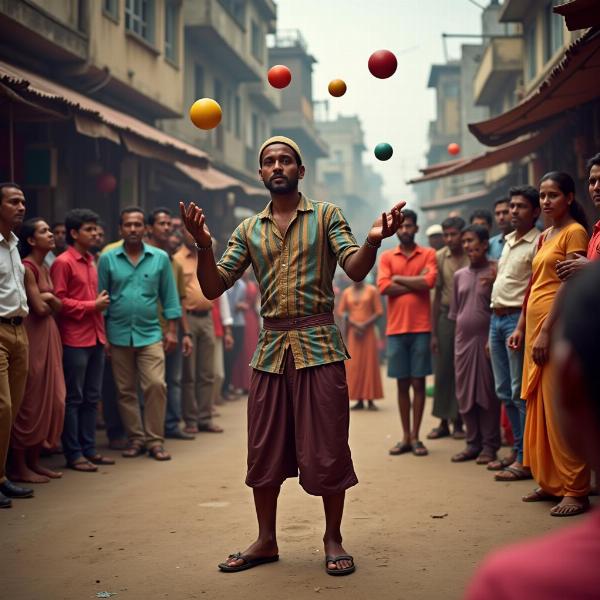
point(382, 64)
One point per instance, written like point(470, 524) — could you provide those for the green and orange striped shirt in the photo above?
point(295, 276)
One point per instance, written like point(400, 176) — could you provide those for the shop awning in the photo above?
point(213, 179)
point(505, 153)
point(580, 14)
point(573, 82)
point(455, 200)
point(30, 86)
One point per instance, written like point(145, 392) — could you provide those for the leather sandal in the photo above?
point(133, 449)
point(158, 453)
point(98, 459)
point(82, 465)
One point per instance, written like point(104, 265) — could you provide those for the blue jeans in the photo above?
point(83, 369)
point(173, 364)
point(507, 365)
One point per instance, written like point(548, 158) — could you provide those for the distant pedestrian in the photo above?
point(508, 295)
point(470, 308)
point(14, 345)
point(137, 276)
point(39, 422)
point(449, 259)
point(83, 336)
point(503, 223)
point(406, 276)
point(361, 305)
point(558, 470)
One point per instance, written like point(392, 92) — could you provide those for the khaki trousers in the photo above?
point(14, 363)
point(199, 373)
point(148, 365)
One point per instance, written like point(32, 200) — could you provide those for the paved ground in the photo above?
point(147, 530)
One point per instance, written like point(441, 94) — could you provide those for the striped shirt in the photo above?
point(295, 275)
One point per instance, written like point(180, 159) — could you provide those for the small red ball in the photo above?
point(453, 149)
point(279, 76)
point(382, 64)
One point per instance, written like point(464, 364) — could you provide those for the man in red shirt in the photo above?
point(563, 564)
point(81, 326)
point(406, 276)
point(567, 268)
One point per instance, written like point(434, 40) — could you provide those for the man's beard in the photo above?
point(289, 186)
point(407, 240)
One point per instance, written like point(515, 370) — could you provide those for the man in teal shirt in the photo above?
point(137, 276)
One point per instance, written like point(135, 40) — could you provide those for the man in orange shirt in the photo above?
point(406, 275)
point(198, 375)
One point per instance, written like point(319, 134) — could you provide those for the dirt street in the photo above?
point(144, 529)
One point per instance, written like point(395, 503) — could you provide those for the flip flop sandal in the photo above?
point(484, 459)
point(133, 450)
point(538, 495)
point(515, 474)
point(98, 459)
point(463, 457)
point(335, 559)
point(571, 511)
point(438, 433)
point(83, 466)
point(502, 464)
point(400, 448)
point(155, 451)
point(249, 562)
point(418, 449)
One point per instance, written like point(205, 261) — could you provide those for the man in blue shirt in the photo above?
point(137, 276)
point(503, 222)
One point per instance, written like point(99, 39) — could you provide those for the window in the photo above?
point(257, 42)
point(237, 9)
point(530, 50)
point(139, 18)
point(111, 9)
point(238, 117)
point(554, 31)
point(171, 22)
point(198, 82)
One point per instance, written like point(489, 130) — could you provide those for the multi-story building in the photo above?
point(225, 58)
point(83, 87)
point(465, 94)
point(296, 117)
point(539, 85)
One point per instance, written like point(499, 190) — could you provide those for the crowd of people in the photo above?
point(117, 337)
point(478, 312)
point(474, 310)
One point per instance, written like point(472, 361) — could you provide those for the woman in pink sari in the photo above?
point(39, 422)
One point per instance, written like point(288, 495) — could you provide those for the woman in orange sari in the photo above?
point(361, 305)
point(559, 472)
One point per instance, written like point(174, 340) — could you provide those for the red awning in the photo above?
point(30, 86)
point(580, 14)
point(506, 153)
point(572, 83)
point(454, 200)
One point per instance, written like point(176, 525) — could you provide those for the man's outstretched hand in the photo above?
point(195, 222)
point(387, 225)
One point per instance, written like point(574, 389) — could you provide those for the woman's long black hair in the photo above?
point(566, 185)
point(27, 231)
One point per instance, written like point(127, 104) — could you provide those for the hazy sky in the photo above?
point(342, 34)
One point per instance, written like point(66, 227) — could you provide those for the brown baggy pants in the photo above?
point(298, 421)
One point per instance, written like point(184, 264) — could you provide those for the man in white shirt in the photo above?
point(14, 347)
point(508, 295)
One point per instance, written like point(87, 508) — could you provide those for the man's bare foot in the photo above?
point(258, 549)
point(46, 472)
point(335, 548)
point(570, 506)
point(26, 475)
